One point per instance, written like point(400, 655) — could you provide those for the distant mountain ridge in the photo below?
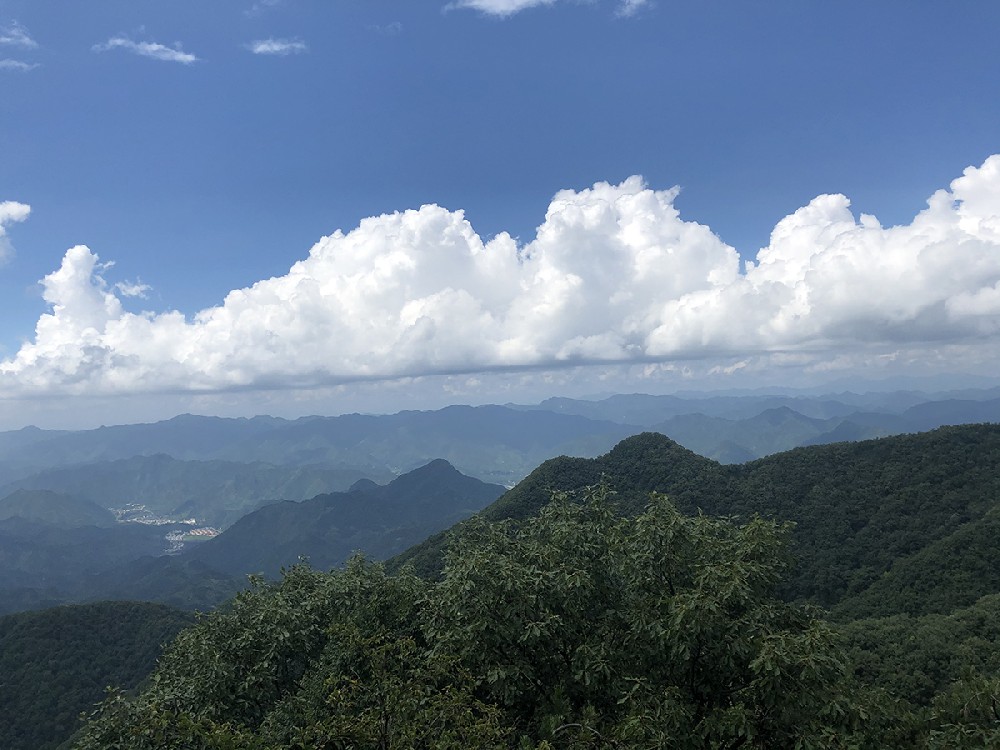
point(493, 443)
point(215, 492)
point(327, 529)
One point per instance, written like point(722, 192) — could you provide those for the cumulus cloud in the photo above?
point(10, 212)
point(614, 275)
point(148, 49)
point(505, 8)
point(281, 47)
point(16, 35)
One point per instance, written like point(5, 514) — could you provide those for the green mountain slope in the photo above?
point(380, 520)
point(56, 663)
point(857, 507)
point(949, 573)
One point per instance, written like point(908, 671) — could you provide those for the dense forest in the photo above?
point(55, 663)
point(840, 596)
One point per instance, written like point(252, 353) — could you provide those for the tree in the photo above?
point(657, 631)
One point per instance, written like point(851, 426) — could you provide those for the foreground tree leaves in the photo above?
point(659, 631)
point(576, 629)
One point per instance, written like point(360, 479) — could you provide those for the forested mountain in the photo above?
point(327, 529)
point(56, 664)
point(864, 513)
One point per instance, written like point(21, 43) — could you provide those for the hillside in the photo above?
point(45, 506)
point(577, 627)
point(55, 664)
point(900, 530)
point(327, 529)
point(860, 509)
point(48, 562)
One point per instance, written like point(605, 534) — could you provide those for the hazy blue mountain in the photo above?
point(44, 563)
point(771, 431)
point(647, 411)
point(216, 493)
point(738, 428)
point(493, 443)
point(54, 508)
point(379, 520)
point(927, 416)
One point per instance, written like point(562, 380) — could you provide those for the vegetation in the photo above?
point(57, 663)
point(900, 524)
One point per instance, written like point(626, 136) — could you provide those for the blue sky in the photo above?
point(201, 147)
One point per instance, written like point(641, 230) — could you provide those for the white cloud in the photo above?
point(16, 35)
point(10, 212)
point(148, 49)
point(277, 47)
point(505, 8)
point(629, 8)
point(501, 8)
point(23, 67)
point(614, 275)
point(133, 288)
point(390, 29)
point(262, 6)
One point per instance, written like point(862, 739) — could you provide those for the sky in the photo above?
point(325, 206)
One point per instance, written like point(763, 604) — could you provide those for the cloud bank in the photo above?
point(614, 275)
point(10, 212)
point(148, 49)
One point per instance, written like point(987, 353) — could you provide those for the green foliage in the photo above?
point(656, 631)
point(967, 715)
point(56, 663)
point(916, 658)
